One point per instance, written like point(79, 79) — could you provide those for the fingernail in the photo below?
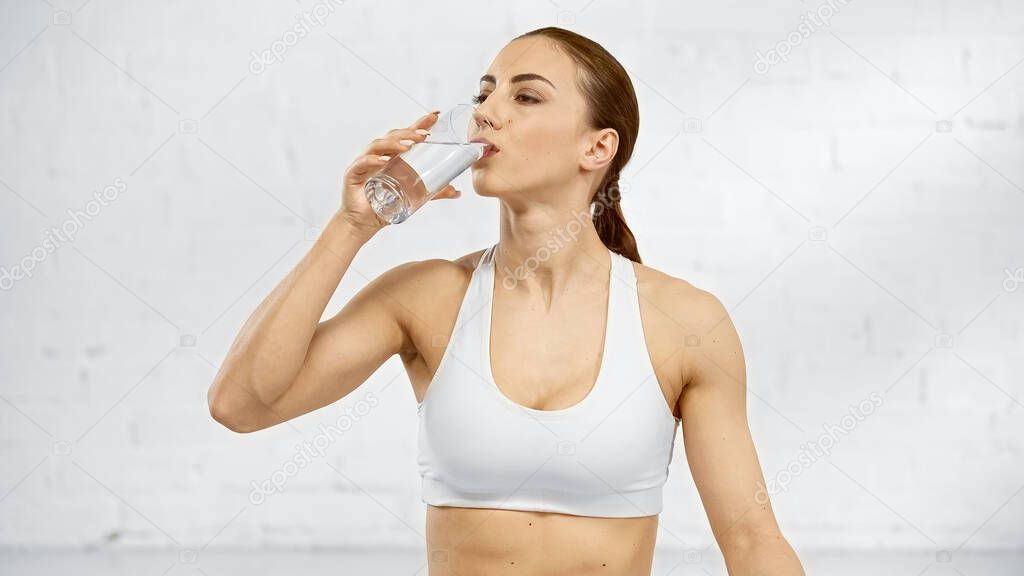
point(405, 142)
point(422, 132)
point(385, 158)
point(436, 112)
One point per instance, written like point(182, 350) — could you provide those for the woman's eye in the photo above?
point(478, 98)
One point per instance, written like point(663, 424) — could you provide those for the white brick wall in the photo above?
point(220, 172)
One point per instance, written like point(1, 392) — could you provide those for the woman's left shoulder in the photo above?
point(677, 296)
point(678, 315)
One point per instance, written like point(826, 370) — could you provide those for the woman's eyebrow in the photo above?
point(518, 78)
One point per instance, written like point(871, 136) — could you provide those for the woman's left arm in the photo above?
point(721, 454)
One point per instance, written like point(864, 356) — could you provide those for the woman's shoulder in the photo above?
point(424, 286)
point(426, 294)
point(687, 304)
point(445, 270)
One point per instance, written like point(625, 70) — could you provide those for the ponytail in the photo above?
point(610, 222)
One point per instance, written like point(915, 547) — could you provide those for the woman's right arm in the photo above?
point(285, 362)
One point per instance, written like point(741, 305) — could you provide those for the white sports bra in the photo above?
point(608, 455)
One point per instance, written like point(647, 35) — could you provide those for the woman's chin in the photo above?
point(485, 192)
point(483, 184)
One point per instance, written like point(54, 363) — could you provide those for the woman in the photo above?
point(559, 468)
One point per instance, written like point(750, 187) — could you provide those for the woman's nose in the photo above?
point(483, 118)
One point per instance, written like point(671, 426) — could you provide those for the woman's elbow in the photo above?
point(227, 410)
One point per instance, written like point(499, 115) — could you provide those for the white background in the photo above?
point(858, 208)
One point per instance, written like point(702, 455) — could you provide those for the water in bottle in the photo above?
point(413, 177)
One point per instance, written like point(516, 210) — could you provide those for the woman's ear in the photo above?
point(601, 151)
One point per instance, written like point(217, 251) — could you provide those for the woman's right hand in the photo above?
point(355, 208)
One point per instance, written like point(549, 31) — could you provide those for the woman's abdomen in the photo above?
point(489, 541)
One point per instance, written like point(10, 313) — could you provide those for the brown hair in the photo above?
point(611, 103)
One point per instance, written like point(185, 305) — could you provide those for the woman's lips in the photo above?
point(490, 151)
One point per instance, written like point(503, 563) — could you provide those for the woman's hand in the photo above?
point(355, 208)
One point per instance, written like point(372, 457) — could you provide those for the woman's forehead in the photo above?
point(531, 56)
